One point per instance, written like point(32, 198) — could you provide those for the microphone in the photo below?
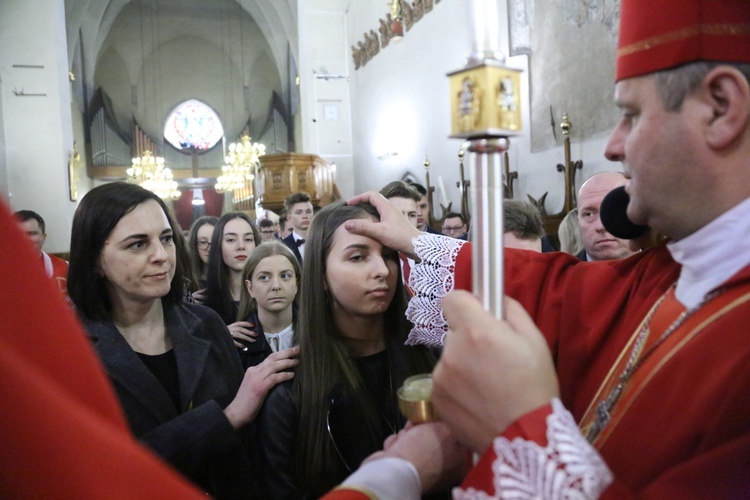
point(613, 213)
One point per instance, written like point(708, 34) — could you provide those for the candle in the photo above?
point(442, 191)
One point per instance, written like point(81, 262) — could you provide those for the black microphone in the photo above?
point(613, 213)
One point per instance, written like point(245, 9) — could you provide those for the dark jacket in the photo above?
point(279, 419)
point(292, 244)
point(255, 352)
point(259, 350)
point(199, 440)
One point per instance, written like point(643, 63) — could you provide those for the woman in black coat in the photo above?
point(173, 365)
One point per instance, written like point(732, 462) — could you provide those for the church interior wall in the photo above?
point(37, 128)
point(398, 103)
point(401, 104)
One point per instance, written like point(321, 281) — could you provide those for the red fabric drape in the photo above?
point(214, 202)
point(183, 209)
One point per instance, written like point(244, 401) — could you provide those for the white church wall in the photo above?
point(37, 130)
point(400, 104)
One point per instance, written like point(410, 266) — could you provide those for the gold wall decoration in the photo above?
point(402, 16)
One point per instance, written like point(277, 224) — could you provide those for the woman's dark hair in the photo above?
point(326, 363)
point(218, 293)
point(97, 215)
point(197, 266)
point(248, 304)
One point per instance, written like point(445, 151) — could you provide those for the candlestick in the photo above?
point(442, 191)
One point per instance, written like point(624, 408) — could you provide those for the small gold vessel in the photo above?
point(415, 399)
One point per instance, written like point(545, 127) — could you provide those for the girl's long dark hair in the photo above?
point(325, 361)
point(218, 293)
point(197, 266)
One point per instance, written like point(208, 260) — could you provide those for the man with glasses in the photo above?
point(454, 225)
point(266, 227)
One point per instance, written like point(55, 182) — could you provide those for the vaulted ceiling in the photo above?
point(149, 55)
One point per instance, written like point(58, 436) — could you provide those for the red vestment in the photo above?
point(63, 433)
point(57, 269)
point(682, 426)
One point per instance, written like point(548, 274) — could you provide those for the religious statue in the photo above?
point(469, 105)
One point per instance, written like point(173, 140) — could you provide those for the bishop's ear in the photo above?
point(729, 96)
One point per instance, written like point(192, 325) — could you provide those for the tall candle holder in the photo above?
point(486, 111)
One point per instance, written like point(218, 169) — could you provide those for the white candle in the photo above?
point(442, 191)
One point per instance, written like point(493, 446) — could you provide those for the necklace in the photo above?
point(637, 358)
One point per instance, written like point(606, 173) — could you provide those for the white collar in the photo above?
point(712, 254)
point(47, 264)
point(297, 236)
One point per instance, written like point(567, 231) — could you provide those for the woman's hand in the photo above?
point(199, 296)
point(242, 331)
point(257, 382)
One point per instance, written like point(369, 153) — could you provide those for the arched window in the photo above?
point(193, 125)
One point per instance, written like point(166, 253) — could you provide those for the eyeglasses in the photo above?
point(449, 229)
point(203, 244)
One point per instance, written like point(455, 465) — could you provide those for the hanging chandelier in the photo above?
point(149, 172)
point(239, 166)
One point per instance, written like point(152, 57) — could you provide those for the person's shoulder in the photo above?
point(282, 395)
point(200, 311)
point(58, 260)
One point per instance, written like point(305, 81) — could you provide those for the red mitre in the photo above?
point(661, 34)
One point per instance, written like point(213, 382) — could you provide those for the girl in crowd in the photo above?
point(234, 238)
point(351, 332)
point(199, 241)
point(173, 365)
point(268, 302)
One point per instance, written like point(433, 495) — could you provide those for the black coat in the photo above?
point(259, 350)
point(199, 440)
point(255, 352)
point(279, 419)
point(292, 244)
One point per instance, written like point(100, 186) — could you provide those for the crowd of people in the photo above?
point(264, 362)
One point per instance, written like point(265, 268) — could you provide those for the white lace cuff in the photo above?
point(568, 467)
point(431, 279)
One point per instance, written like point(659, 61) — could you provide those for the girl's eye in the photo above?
point(167, 238)
point(357, 258)
point(229, 240)
point(286, 276)
point(263, 278)
point(137, 245)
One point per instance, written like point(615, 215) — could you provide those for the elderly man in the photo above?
point(598, 244)
point(647, 393)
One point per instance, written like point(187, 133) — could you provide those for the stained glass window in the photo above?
point(193, 125)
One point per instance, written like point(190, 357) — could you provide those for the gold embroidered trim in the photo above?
point(702, 29)
point(740, 300)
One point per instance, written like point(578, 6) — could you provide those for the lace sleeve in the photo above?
point(431, 279)
point(568, 467)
